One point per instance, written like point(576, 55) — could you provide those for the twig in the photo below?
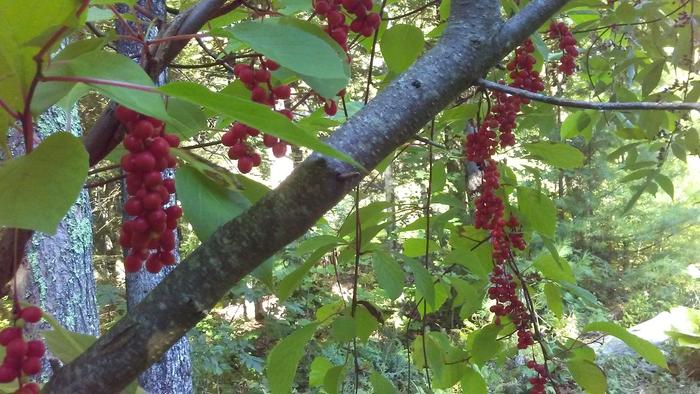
point(610, 106)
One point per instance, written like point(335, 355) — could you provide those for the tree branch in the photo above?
point(564, 102)
point(466, 51)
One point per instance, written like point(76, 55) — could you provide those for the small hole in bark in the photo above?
point(416, 84)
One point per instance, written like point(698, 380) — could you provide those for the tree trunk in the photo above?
point(57, 272)
point(173, 372)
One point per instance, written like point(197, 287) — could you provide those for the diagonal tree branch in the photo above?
point(564, 102)
point(472, 43)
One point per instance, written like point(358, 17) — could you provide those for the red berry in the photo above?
point(262, 76)
point(142, 129)
point(159, 146)
point(174, 211)
point(133, 143)
point(153, 265)
point(125, 115)
point(132, 263)
point(133, 206)
point(152, 179)
point(335, 18)
point(256, 159)
point(157, 216)
point(282, 92)
point(16, 348)
point(173, 140)
point(228, 139)
point(144, 162)
point(246, 76)
point(322, 7)
point(31, 365)
point(169, 185)
point(8, 334)
point(151, 201)
point(240, 67)
point(271, 65)
point(330, 107)
point(7, 374)
point(269, 140)
point(29, 388)
point(258, 94)
point(245, 164)
point(279, 149)
point(35, 348)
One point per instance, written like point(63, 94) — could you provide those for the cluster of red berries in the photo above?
point(540, 380)
point(567, 43)
point(497, 129)
point(150, 233)
point(262, 91)
point(22, 358)
point(363, 22)
point(480, 146)
point(521, 73)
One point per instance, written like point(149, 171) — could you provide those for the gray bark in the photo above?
point(57, 273)
point(474, 41)
point(172, 374)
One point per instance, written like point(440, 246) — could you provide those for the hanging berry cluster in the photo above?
point(22, 358)
point(363, 22)
point(261, 91)
point(567, 43)
point(497, 129)
point(150, 233)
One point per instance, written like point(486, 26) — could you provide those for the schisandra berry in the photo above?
point(149, 154)
point(567, 43)
point(22, 358)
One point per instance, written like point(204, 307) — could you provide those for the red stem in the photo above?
point(99, 81)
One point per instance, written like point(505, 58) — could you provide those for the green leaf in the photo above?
point(300, 46)
point(555, 269)
point(651, 76)
point(554, 300)
point(284, 358)
point(343, 329)
point(424, 281)
point(191, 118)
point(380, 384)
point(390, 276)
point(473, 383)
point(37, 190)
point(556, 154)
point(370, 215)
point(538, 210)
point(665, 183)
point(401, 45)
point(115, 67)
point(334, 379)
point(292, 281)
point(678, 151)
point(319, 368)
point(588, 375)
point(325, 312)
point(578, 123)
point(365, 323)
point(643, 347)
point(483, 344)
point(415, 247)
point(67, 345)
point(314, 243)
point(206, 204)
point(254, 115)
